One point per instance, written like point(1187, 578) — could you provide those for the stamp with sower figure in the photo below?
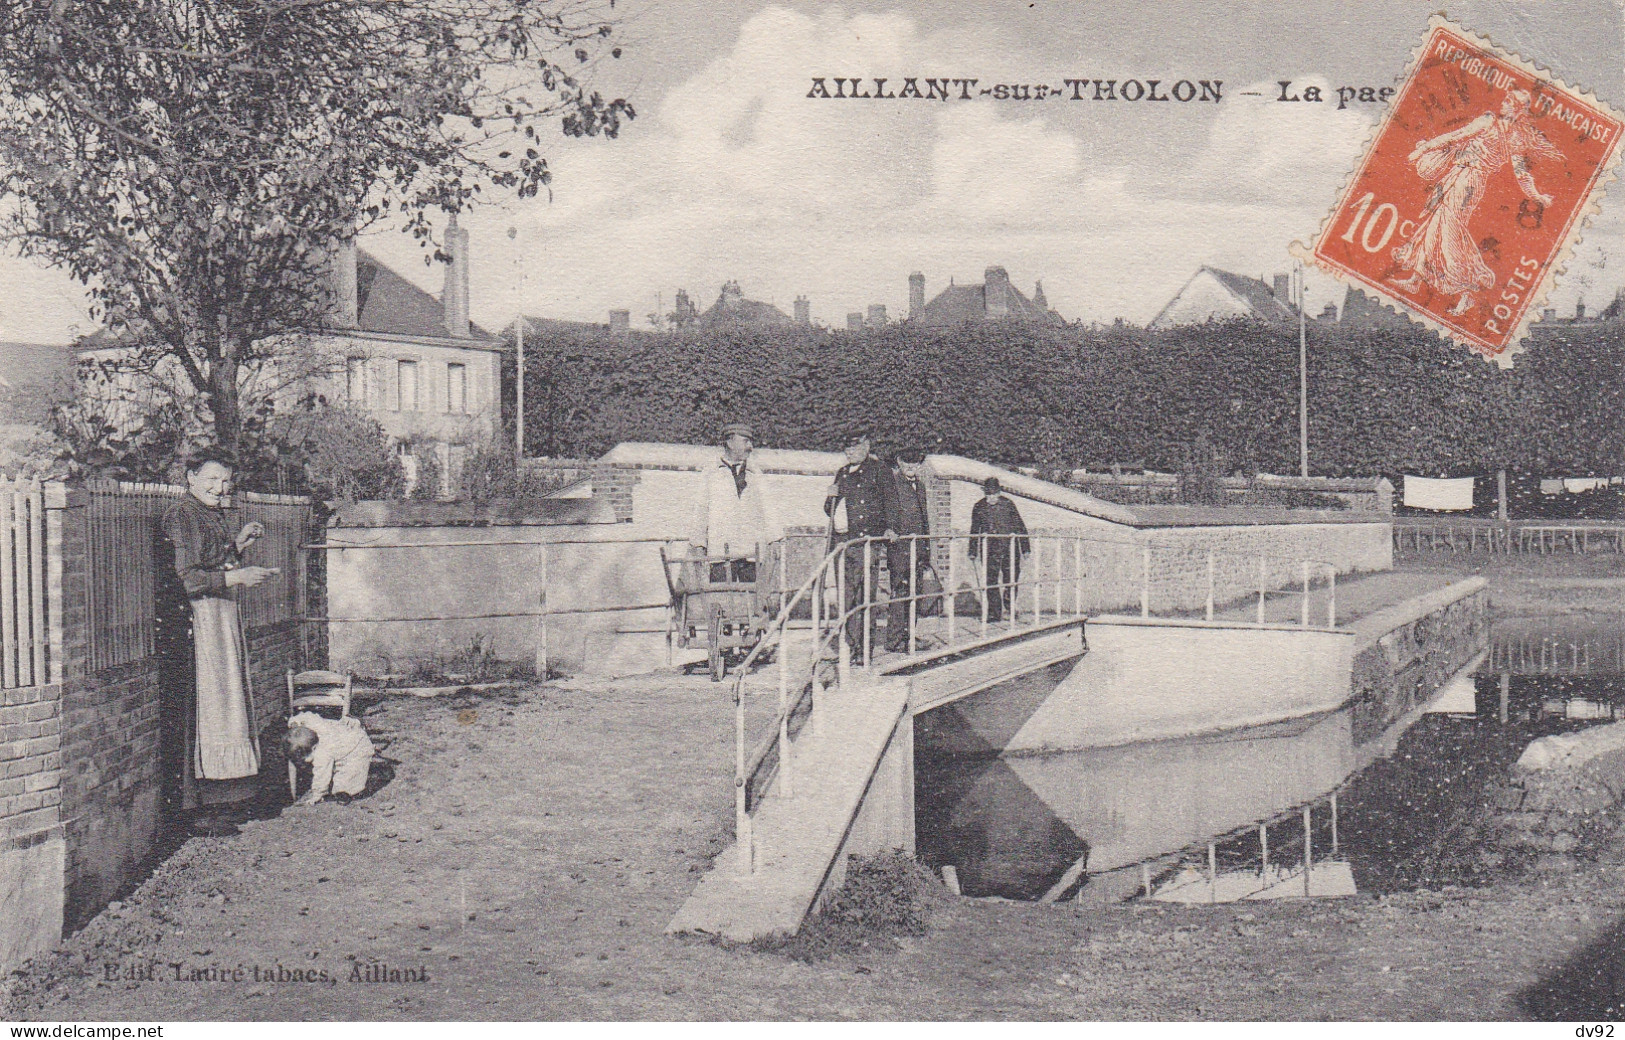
point(1472, 191)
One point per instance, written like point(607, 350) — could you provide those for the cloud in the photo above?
point(740, 175)
point(735, 173)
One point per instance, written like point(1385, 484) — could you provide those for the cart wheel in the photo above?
point(719, 667)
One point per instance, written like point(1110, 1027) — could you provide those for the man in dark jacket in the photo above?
point(859, 491)
point(905, 556)
point(1000, 527)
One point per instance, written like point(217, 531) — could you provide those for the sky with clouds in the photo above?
point(732, 172)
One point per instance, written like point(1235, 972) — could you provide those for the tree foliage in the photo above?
point(1381, 401)
point(195, 161)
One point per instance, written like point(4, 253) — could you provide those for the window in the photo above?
point(357, 387)
point(406, 386)
point(457, 388)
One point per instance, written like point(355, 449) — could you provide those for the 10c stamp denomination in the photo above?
point(1472, 191)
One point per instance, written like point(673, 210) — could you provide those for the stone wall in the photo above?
point(1562, 797)
point(1407, 652)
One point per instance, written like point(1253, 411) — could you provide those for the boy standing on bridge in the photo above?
point(999, 540)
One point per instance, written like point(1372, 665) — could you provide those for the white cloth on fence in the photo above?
point(1576, 485)
point(227, 739)
point(1439, 493)
point(1551, 486)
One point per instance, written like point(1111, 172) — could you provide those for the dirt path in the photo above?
point(530, 850)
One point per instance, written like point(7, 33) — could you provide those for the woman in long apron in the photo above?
point(222, 747)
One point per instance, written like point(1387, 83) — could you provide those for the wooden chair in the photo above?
point(316, 689)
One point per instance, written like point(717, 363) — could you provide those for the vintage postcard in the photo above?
point(759, 511)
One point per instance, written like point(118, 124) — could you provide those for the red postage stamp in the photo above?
point(1472, 191)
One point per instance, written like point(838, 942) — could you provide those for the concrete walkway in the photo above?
point(1356, 598)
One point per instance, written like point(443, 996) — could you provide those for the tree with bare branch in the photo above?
point(195, 162)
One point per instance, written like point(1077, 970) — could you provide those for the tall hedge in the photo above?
point(1380, 400)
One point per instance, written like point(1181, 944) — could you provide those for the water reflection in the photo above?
point(1014, 825)
point(1573, 644)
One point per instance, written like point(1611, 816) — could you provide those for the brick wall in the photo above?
point(1405, 665)
point(31, 842)
point(30, 759)
point(613, 483)
point(111, 784)
point(939, 518)
point(272, 650)
point(81, 784)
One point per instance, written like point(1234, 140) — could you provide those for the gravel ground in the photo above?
point(526, 855)
point(531, 847)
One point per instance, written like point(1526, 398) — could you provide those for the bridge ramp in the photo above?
point(801, 838)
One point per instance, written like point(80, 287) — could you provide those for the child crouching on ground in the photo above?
point(338, 752)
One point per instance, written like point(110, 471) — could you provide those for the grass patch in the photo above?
point(886, 897)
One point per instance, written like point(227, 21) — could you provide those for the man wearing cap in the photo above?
point(860, 487)
point(993, 521)
point(733, 518)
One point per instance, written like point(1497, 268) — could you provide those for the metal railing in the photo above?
point(1043, 577)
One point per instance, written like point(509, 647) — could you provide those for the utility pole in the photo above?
point(519, 356)
point(1303, 382)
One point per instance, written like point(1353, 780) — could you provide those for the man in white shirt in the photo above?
point(733, 518)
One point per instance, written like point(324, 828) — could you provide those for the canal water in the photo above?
point(1410, 812)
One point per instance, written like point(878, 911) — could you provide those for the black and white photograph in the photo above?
point(605, 511)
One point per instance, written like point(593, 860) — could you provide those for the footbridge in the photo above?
point(1132, 632)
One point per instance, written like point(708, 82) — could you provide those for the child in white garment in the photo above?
point(338, 751)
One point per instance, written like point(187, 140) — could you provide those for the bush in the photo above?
point(1200, 473)
point(1381, 401)
point(430, 478)
point(490, 472)
point(886, 896)
point(337, 452)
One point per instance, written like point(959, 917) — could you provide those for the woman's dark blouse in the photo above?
point(204, 547)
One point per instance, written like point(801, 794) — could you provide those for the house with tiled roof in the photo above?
point(1215, 295)
point(732, 308)
point(995, 299)
point(410, 360)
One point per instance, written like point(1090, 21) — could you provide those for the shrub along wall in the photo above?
point(1381, 401)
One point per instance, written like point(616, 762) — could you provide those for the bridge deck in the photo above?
point(1357, 598)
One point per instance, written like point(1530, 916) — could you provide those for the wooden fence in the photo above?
point(1515, 536)
point(124, 544)
point(23, 633)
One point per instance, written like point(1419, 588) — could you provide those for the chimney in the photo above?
point(1579, 310)
point(854, 321)
point(996, 292)
point(1549, 314)
point(803, 311)
point(454, 298)
point(620, 320)
point(1038, 296)
point(346, 308)
point(916, 294)
point(1328, 312)
point(1283, 288)
point(877, 315)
